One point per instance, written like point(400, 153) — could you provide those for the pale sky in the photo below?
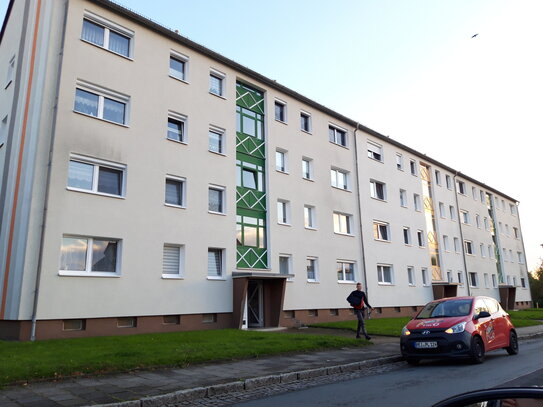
point(407, 69)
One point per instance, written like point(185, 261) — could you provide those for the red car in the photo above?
point(463, 327)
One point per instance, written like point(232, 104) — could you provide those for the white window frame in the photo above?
point(456, 243)
point(343, 263)
point(437, 176)
point(88, 258)
point(109, 26)
point(222, 133)
point(520, 257)
point(407, 235)
point(309, 122)
point(452, 213)
point(283, 208)
point(486, 281)
point(338, 129)
point(222, 78)
point(478, 220)
point(399, 161)
point(181, 261)
point(373, 190)
point(513, 209)
point(309, 175)
point(482, 196)
point(449, 276)
point(471, 282)
point(309, 214)
point(494, 281)
point(381, 274)
point(465, 217)
point(284, 154)
point(104, 93)
point(185, 60)
point(460, 275)
point(222, 191)
point(468, 247)
point(375, 151)
point(417, 202)
point(442, 213)
point(182, 119)
point(403, 198)
point(516, 233)
point(315, 262)
point(413, 167)
point(421, 238)
point(221, 265)
point(482, 249)
point(446, 243)
point(334, 178)
point(283, 104)
point(183, 182)
point(411, 281)
point(348, 222)
point(289, 264)
point(97, 164)
point(448, 181)
point(425, 279)
point(461, 187)
point(378, 227)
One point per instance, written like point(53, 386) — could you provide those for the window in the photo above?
point(485, 221)
point(399, 161)
point(490, 252)
point(461, 187)
point(503, 205)
point(96, 176)
point(345, 271)
point(474, 193)
point(337, 135)
point(456, 245)
point(209, 318)
point(307, 168)
point(342, 223)
point(473, 279)
point(175, 191)
point(417, 202)
point(523, 282)
point(172, 260)
point(100, 103)
point(92, 256)
point(511, 259)
point(339, 178)
point(420, 238)
point(280, 111)
point(381, 231)
point(377, 190)
point(494, 281)
point(215, 259)
point(11, 71)
point(176, 127)
point(413, 167)
point(424, 273)
point(127, 322)
point(446, 243)
point(482, 196)
point(283, 212)
point(438, 177)
point(460, 276)
point(478, 220)
point(442, 210)
point(375, 151)
point(311, 266)
point(284, 264)
point(512, 209)
point(448, 181)
point(500, 228)
point(74, 324)
point(309, 217)
point(384, 274)
point(449, 276)
point(507, 231)
point(216, 140)
point(106, 34)
point(216, 83)
point(465, 217)
point(407, 235)
point(410, 276)
point(469, 246)
point(249, 123)
point(452, 212)
point(485, 279)
point(515, 232)
point(305, 122)
point(281, 160)
point(250, 231)
point(178, 65)
point(216, 199)
point(482, 250)
point(403, 198)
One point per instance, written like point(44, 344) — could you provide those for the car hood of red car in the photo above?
point(432, 323)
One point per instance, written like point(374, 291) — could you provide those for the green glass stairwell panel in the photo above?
point(252, 257)
point(250, 199)
point(249, 98)
point(250, 145)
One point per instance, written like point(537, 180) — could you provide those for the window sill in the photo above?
point(385, 284)
point(281, 121)
point(216, 213)
point(313, 281)
point(341, 189)
point(282, 171)
point(88, 274)
point(412, 285)
point(376, 160)
point(352, 282)
point(308, 179)
point(101, 119)
point(378, 199)
point(284, 224)
point(217, 153)
point(310, 228)
point(175, 206)
point(307, 132)
point(339, 145)
point(344, 234)
point(107, 49)
point(382, 240)
point(85, 191)
point(179, 79)
point(217, 95)
point(177, 141)
point(172, 277)
point(216, 278)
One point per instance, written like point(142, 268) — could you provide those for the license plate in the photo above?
point(425, 345)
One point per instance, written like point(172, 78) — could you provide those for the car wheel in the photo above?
point(477, 350)
point(512, 349)
point(412, 361)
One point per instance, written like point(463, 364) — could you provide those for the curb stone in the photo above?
point(249, 384)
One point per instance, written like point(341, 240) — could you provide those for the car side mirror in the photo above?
point(482, 314)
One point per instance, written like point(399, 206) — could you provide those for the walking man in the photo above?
point(358, 301)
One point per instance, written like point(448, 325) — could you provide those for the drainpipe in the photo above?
point(360, 208)
point(48, 182)
point(461, 234)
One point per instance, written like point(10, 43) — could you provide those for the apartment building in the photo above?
point(152, 185)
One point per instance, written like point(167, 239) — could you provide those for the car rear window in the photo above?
point(444, 309)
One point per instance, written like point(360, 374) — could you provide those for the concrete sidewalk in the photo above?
point(157, 387)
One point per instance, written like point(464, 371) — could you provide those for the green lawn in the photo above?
point(22, 361)
point(381, 326)
point(533, 313)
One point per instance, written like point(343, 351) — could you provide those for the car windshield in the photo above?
point(451, 308)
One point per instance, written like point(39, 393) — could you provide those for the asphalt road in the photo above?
point(422, 385)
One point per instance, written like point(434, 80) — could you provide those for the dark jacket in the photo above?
point(356, 296)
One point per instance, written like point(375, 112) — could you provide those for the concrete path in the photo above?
point(210, 378)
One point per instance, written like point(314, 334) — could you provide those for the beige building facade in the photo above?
point(151, 185)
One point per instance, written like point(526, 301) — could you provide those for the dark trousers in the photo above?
point(361, 326)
